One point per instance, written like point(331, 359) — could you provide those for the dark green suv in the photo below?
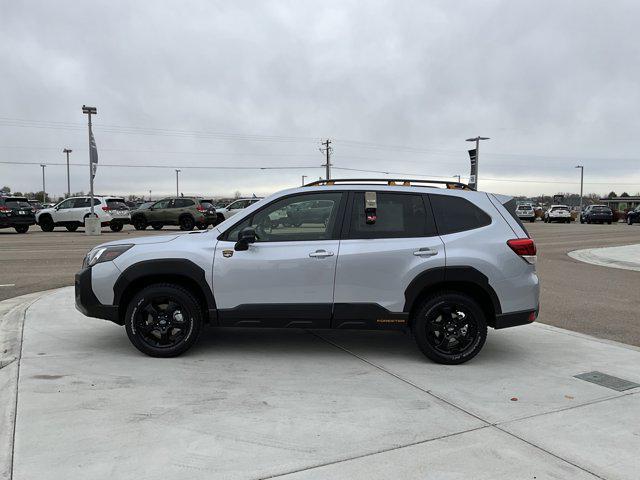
point(186, 212)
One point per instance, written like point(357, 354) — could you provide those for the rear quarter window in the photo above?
point(457, 214)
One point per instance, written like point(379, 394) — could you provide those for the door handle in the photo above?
point(321, 254)
point(425, 252)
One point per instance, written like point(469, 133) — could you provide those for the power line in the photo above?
point(212, 167)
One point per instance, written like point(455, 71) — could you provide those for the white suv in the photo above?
point(442, 262)
point(557, 213)
point(72, 212)
point(235, 207)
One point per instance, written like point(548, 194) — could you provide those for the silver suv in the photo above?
point(444, 263)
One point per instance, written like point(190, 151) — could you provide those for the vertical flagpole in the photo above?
point(90, 169)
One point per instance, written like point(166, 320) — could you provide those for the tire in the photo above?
point(139, 222)
point(202, 226)
point(429, 322)
point(608, 223)
point(22, 228)
point(46, 223)
point(629, 221)
point(187, 223)
point(116, 226)
point(157, 226)
point(532, 220)
point(219, 219)
point(72, 227)
point(172, 338)
point(581, 220)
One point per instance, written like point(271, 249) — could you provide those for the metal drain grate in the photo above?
point(608, 381)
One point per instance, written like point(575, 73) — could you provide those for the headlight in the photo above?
point(104, 254)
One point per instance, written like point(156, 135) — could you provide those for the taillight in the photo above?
point(525, 248)
point(106, 209)
point(201, 209)
point(4, 209)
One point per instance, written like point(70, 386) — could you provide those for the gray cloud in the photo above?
point(553, 84)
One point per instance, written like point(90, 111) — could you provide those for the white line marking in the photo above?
point(8, 285)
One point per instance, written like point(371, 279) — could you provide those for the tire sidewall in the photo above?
point(186, 301)
point(419, 328)
point(186, 223)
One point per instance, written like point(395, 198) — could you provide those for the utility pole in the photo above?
point(303, 177)
point(177, 189)
point(44, 188)
point(327, 150)
point(477, 140)
point(149, 195)
point(581, 167)
point(68, 151)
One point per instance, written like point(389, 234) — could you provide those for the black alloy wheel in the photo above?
point(22, 228)
point(163, 320)
point(46, 223)
point(187, 223)
point(116, 226)
point(450, 328)
point(139, 222)
point(71, 227)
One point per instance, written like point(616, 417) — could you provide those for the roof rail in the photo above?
point(402, 182)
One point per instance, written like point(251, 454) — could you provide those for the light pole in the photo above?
point(303, 177)
point(44, 188)
point(68, 151)
point(477, 140)
point(177, 189)
point(581, 167)
point(149, 195)
point(456, 176)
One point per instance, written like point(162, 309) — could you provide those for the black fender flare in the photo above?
point(164, 270)
point(449, 275)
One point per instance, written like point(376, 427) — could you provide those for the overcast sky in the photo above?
point(398, 86)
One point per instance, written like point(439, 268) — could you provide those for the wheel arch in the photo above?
point(466, 280)
point(181, 272)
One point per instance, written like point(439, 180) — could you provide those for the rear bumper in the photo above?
point(506, 320)
point(88, 303)
point(16, 220)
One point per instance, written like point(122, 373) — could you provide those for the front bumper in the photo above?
point(88, 303)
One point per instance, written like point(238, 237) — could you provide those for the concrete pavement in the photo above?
point(251, 404)
point(626, 257)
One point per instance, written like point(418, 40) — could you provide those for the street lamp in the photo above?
point(474, 175)
point(303, 177)
point(177, 189)
point(44, 189)
point(68, 151)
point(581, 167)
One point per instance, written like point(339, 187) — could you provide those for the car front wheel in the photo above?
point(163, 320)
point(46, 223)
point(22, 228)
point(450, 328)
point(139, 222)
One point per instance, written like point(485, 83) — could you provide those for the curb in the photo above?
point(12, 314)
point(602, 256)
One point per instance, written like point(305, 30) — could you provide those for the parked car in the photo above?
point(36, 205)
point(633, 216)
point(71, 213)
point(212, 217)
point(378, 259)
point(236, 206)
point(186, 212)
point(16, 213)
point(525, 212)
point(557, 213)
point(596, 214)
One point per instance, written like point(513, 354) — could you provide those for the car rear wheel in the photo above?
point(139, 222)
point(22, 228)
point(163, 320)
point(629, 221)
point(187, 223)
point(72, 227)
point(157, 226)
point(450, 328)
point(116, 226)
point(46, 223)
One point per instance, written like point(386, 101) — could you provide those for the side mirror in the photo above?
point(246, 236)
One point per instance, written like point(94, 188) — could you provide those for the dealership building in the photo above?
point(621, 203)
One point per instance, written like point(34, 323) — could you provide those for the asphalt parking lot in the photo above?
point(586, 298)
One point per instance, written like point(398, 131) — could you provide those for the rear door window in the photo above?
point(457, 214)
point(117, 204)
point(182, 203)
point(398, 215)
